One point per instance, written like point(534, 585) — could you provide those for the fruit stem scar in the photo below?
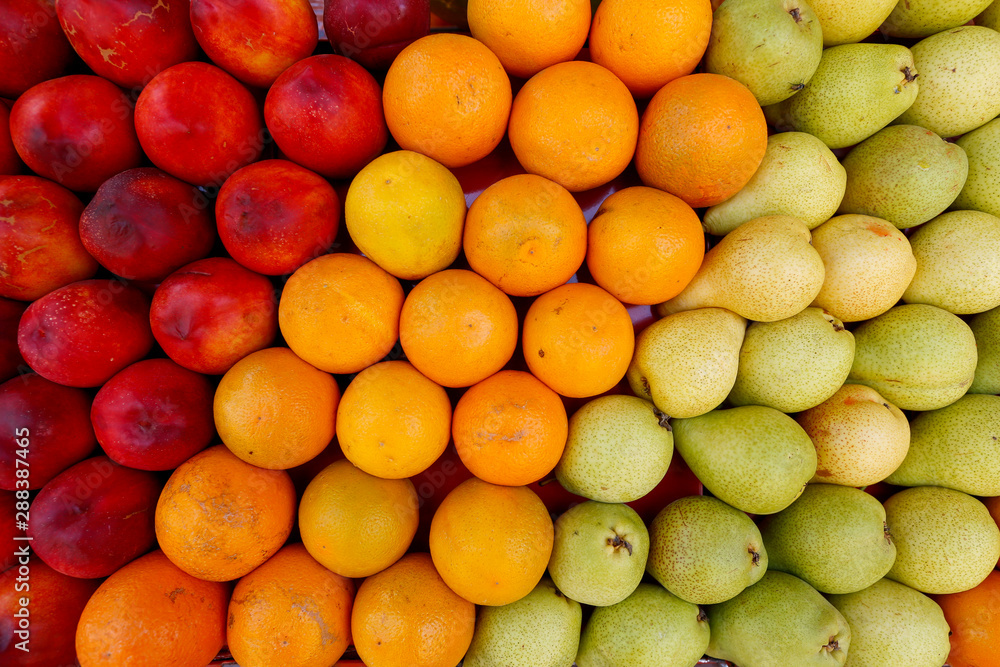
point(796, 14)
point(617, 542)
point(663, 418)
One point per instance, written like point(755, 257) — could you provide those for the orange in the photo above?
point(274, 410)
point(702, 138)
point(340, 312)
point(457, 329)
point(650, 43)
point(447, 96)
point(510, 429)
point(525, 234)
point(393, 422)
point(406, 616)
point(974, 619)
point(290, 611)
point(491, 544)
point(151, 614)
point(530, 35)
point(219, 517)
point(575, 123)
point(578, 339)
point(644, 245)
point(356, 524)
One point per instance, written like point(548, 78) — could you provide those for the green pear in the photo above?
point(834, 538)
point(799, 176)
point(704, 551)
point(764, 270)
point(780, 621)
point(904, 174)
point(920, 18)
point(892, 624)
point(753, 457)
point(856, 91)
point(860, 437)
point(770, 46)
point(793, 364)
point(920, 357)
point(650, 628)
point(599, 552)
point(618, 448)
point(850, 21)
point(946, 540)
point(958, 263)
point(986, 328)
point(959, 81)
point(686, 362)
point(982, 187)
point(542, 629)
point(955, 447)
point(990, 17)
point(868, 264)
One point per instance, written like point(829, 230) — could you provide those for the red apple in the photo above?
point(9, 529)
point(82, 334)
point(325, 113)
point(211, 313)
point(45, 627)
point(11, 361)
point(94, 517)
point(274, 216)
point(57, 421)
point(33, 47)
point(10, 161)
point(75, 130)
point(40, 250)
point(129, 41)
point(255, 40)
point(154, 415)
point(144, 224)
point(374, 32)
point(198, 123)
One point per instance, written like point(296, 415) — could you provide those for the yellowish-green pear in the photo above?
point(920, 18)
point(981, 191)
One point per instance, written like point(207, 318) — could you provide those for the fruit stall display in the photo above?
point(499, 332)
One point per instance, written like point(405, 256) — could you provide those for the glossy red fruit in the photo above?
point(373, 32)
point(33, 48)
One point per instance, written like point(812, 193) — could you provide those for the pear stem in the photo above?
point(617, 542)
point(796, 14)
point(664, 418)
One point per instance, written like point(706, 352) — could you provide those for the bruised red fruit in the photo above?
point(33, 47)
point(255, 40)
point(198, 123)
point(10, 161)
point(75, 130)
point(129, 41)
point(56, 419)
point(373, 32)
point(82, 334)
point(144, 224)
point(11, 361)
point(40, 250)
point(94, 517)
point(325, 113)
point(274, 216)
point(154, 415)
point(211, 313)
point(55, 603)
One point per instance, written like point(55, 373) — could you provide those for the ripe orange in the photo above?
point(393, 422)
point(447, 96)
point(406, 616)
point(274, 410)
point(575, 123)
point(457, 329)
point(491, 544)
point(578, 339)
point(340, 312)
point(356, 524)
point(530, 35)
point(974, 619)
point(525, 234)
point(151, 614)
point(290, 611)
point(701, 139)
point(650, 43)
point(219, 517)
point(510, 429)
point(644, 245)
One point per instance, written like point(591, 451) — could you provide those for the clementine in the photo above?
point(974, 619)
